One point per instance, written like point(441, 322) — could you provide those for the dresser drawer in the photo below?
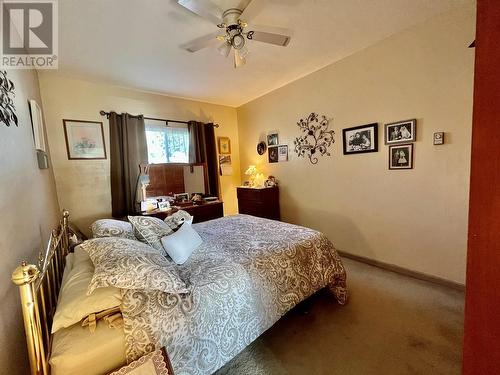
point(249, 194)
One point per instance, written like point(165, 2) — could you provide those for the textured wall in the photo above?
point(83, 186)
point(28, 212)
point(417, 218)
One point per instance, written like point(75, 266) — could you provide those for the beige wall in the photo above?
point(417, 218)
point(28, 213)
point(83, 186)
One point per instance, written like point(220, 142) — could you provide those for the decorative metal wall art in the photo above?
point(316, 139)
point(7, 109)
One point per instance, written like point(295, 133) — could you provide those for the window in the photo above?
point(167, 144)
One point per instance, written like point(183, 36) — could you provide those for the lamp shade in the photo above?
point(251, 170)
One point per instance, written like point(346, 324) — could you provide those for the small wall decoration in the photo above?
point(7, 109)
point(283, 153)
point(315, 139)
point(400, 132)
point(37, 123)
point(261, 148)
point(272, 153)
point(84, 139)
point(360, 139)
point(224, 145)
point(272, 139)
point(226, 169)
point(401, 156)
point(438, 138)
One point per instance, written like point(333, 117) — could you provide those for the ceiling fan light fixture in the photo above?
point(238, 41)
point(224, 49)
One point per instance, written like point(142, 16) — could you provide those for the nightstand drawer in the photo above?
point(248, 194)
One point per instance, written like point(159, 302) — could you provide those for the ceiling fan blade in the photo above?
point(201, 42)
point(271, 38)
point(203, 8)
point(238, 59)
point(251, 10)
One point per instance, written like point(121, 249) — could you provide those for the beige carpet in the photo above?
point(393, 324)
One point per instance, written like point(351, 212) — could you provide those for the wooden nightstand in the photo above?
point(261, 202)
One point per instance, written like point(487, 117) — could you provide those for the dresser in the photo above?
point(200, 212)
point(261, 202)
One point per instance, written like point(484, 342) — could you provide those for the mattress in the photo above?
point(76, 351)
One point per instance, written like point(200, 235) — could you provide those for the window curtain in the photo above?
point(203, 149)
point(128, 150)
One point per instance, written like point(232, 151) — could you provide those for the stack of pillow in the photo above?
point(101, 266)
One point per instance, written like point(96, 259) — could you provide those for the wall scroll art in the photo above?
point(316, 139)
point(7, 110)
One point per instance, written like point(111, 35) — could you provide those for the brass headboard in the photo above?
point(39, 288)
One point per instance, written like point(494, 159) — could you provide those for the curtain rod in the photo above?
point(104, 113)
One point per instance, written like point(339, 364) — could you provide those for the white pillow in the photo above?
point(74, 304)
point(181, 244)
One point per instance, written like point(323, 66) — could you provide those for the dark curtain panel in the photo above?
point(127, 137)
point(203, 149)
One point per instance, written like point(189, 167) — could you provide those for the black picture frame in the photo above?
point(369, 129)
point(389, 128)
point(272, 153)
point(408, 155)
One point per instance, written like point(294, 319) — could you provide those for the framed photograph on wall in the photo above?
point(401, 156)
point(400, 132)
point(272, 139)
point(360, 139)
point(84, 139)
point(283, 153)
point(224, 145)
point(272, 153)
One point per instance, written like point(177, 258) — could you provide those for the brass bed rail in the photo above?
point(39, 289)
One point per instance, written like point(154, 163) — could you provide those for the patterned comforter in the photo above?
point(246, 275)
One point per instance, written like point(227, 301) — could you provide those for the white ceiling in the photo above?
point(135, 43)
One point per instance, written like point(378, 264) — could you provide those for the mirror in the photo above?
point(169, 179)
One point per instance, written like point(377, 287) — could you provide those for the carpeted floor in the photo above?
point(393, 324)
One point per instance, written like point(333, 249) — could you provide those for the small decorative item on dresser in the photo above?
point(261, 148)
point(271, 181)
point(224, 145)
point(400, 132)
point(401, 156)
point(154, 363)
point(439, 138)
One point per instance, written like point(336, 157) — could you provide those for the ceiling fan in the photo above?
point(232, 22)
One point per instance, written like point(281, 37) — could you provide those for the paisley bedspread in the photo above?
point(246, 275)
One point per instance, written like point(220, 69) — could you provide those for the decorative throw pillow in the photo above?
point(128, 264)
point(112, 228)
point(74, 304)
point(150, 230)
point(181, 244)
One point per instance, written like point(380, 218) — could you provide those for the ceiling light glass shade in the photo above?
point(238, 41)
point(224, 49)
point(238, 60)
point(243, 52)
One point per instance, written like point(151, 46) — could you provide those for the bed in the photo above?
point(247, 273)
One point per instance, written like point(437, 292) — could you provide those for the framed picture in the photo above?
point(438, 138)
point(224, 145)
point(400, 132)
point(360, 139)
point(272, 139)
point(261, 148)
point(37, 123)
point(272, 153)
point(401, 156)
point(283, 153)
point(84, 139)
